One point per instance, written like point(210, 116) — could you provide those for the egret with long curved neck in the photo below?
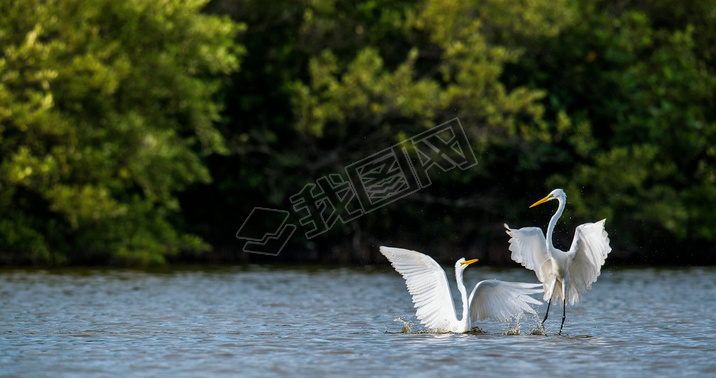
point(464, 323)
point(427, 283)
point(565, 275)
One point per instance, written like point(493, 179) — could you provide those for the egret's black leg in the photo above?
point(548, 304)
point(564, 315)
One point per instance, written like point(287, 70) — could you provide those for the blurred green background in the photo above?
point(142, 133)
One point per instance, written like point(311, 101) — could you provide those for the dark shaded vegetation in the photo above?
point(131, 135)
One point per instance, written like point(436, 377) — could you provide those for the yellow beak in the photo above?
point(468, 262)
point(543, 200)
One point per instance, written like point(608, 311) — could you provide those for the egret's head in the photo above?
point(555, 194)
point(462, 264)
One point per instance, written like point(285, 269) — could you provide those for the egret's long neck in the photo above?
point(553, 222)
point(463, 296)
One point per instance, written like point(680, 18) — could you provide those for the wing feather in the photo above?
point(502, 301)
point(529, 248)
point(590, 248)
point(428, 285)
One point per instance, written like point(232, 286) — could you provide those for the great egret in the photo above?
point(565, 275)
point(428, 285)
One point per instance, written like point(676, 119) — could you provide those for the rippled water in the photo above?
point(266, 321)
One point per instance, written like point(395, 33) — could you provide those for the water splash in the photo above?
point(477, 331)
point(539, 330)
point(514, 330)
point(407, 325)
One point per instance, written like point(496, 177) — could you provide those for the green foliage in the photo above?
point(111, 125)
point(647, 93)
point(106, 109)
point(364, 94)
point(370, 76)
point(611, 102)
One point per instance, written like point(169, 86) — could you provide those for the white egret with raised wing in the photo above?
point(428, 285)
point(565, 275)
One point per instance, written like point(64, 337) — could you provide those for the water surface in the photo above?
point(263, 320)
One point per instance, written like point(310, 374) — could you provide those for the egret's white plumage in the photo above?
point(427, 283)
point(565, 275)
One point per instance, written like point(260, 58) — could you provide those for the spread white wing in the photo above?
point(502, 301)
point(427, 283)
point(529, 248)
point(590, 248)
